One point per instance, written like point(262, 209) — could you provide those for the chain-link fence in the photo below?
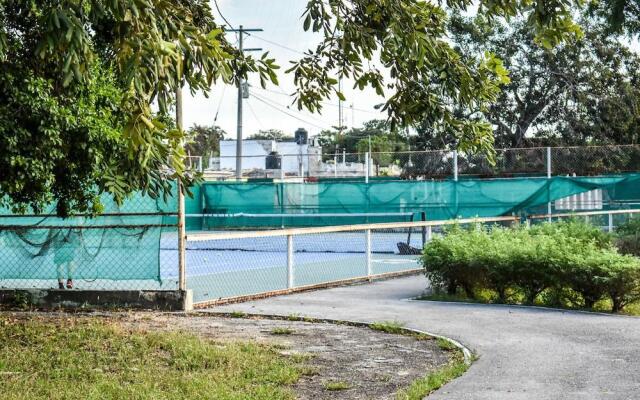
point(129, 246)
point(538, 161)
point(222, 266)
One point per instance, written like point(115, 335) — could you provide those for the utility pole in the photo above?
point(340, 116)
point(241, 32)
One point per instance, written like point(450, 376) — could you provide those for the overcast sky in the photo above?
point(268, 109)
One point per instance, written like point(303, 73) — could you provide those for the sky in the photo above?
point(285, 40)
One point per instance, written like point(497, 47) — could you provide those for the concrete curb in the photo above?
point(48, 299)
point(468, 355)
point(526, 307)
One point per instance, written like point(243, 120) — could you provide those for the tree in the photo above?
point(381, 149)
point(110, 60)
point(271, 134)
point(583, 91)
point(348, 141)
point(204, 141)
point(78, 78)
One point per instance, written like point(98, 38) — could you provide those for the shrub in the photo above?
point(628, 237)
point(566, 257)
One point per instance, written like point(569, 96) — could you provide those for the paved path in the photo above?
point(525, 353)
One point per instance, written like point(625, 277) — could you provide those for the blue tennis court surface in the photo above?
point(236, 267)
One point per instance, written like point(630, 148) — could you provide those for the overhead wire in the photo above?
point(222, 15)
point(282, 93)
point(282, 46)
point(255, 115)
point(288, 107)
point(277, 108)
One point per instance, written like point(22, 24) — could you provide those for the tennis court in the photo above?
point(233, 267)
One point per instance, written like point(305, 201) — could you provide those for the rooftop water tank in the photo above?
point(273, 161)
point(301, 136)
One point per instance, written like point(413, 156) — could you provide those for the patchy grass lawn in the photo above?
point(88, 358)
point(424, 386)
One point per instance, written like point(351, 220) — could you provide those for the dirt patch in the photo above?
point(341, 361)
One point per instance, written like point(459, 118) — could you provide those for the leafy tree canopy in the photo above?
point(350, 140)
point(204, 141)
point(80, 77)
point(584, 91)
point(271, 134)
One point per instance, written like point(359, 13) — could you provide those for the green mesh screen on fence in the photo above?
point(240, 204)
point(121, 244)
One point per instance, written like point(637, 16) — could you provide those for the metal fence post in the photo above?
point(549, 211)
point(610, 222)
point(368, 252)
point(455, 165)
point(182, 260)
point(366, 167)
point(182, 274)
point(290, 281)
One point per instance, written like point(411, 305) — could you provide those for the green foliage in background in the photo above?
point(204, 141)
point(525, 264)
point(583, 91)
point(628, 237)
point(80, 77)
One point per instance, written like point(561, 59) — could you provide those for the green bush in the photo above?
point(628, 237)
point(519, 264)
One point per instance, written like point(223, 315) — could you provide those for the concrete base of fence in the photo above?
point(167, 300)
point(324, 285)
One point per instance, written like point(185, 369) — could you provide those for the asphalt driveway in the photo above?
point(525, 353)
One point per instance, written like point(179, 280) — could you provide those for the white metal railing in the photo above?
point(586, 215)
point(234, 272)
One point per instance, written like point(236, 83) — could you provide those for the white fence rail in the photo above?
point(233, 266)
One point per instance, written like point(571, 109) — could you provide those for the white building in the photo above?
point(295, 158)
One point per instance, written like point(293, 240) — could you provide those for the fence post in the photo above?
point(610, 222)
point(368, 252)
point(335, 164)
point(290, 276)
point(182, 274)
point(549, 177)
point(455, 165)
point(366, 167)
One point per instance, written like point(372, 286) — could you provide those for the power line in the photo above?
point(255, 115)
point(291, 49)
point(282, 93)
point(288, 107)
point(222, 15)
point(224, 88)
point(287, 113)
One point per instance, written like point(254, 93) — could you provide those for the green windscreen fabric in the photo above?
point(230, 202)
point(121, 244)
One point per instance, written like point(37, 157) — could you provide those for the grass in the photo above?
point(282, 331)
point(446, 345)
point(394, 327)
point(237, 314)
point(435, 380)
point(99, 359)
point(335, 386)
